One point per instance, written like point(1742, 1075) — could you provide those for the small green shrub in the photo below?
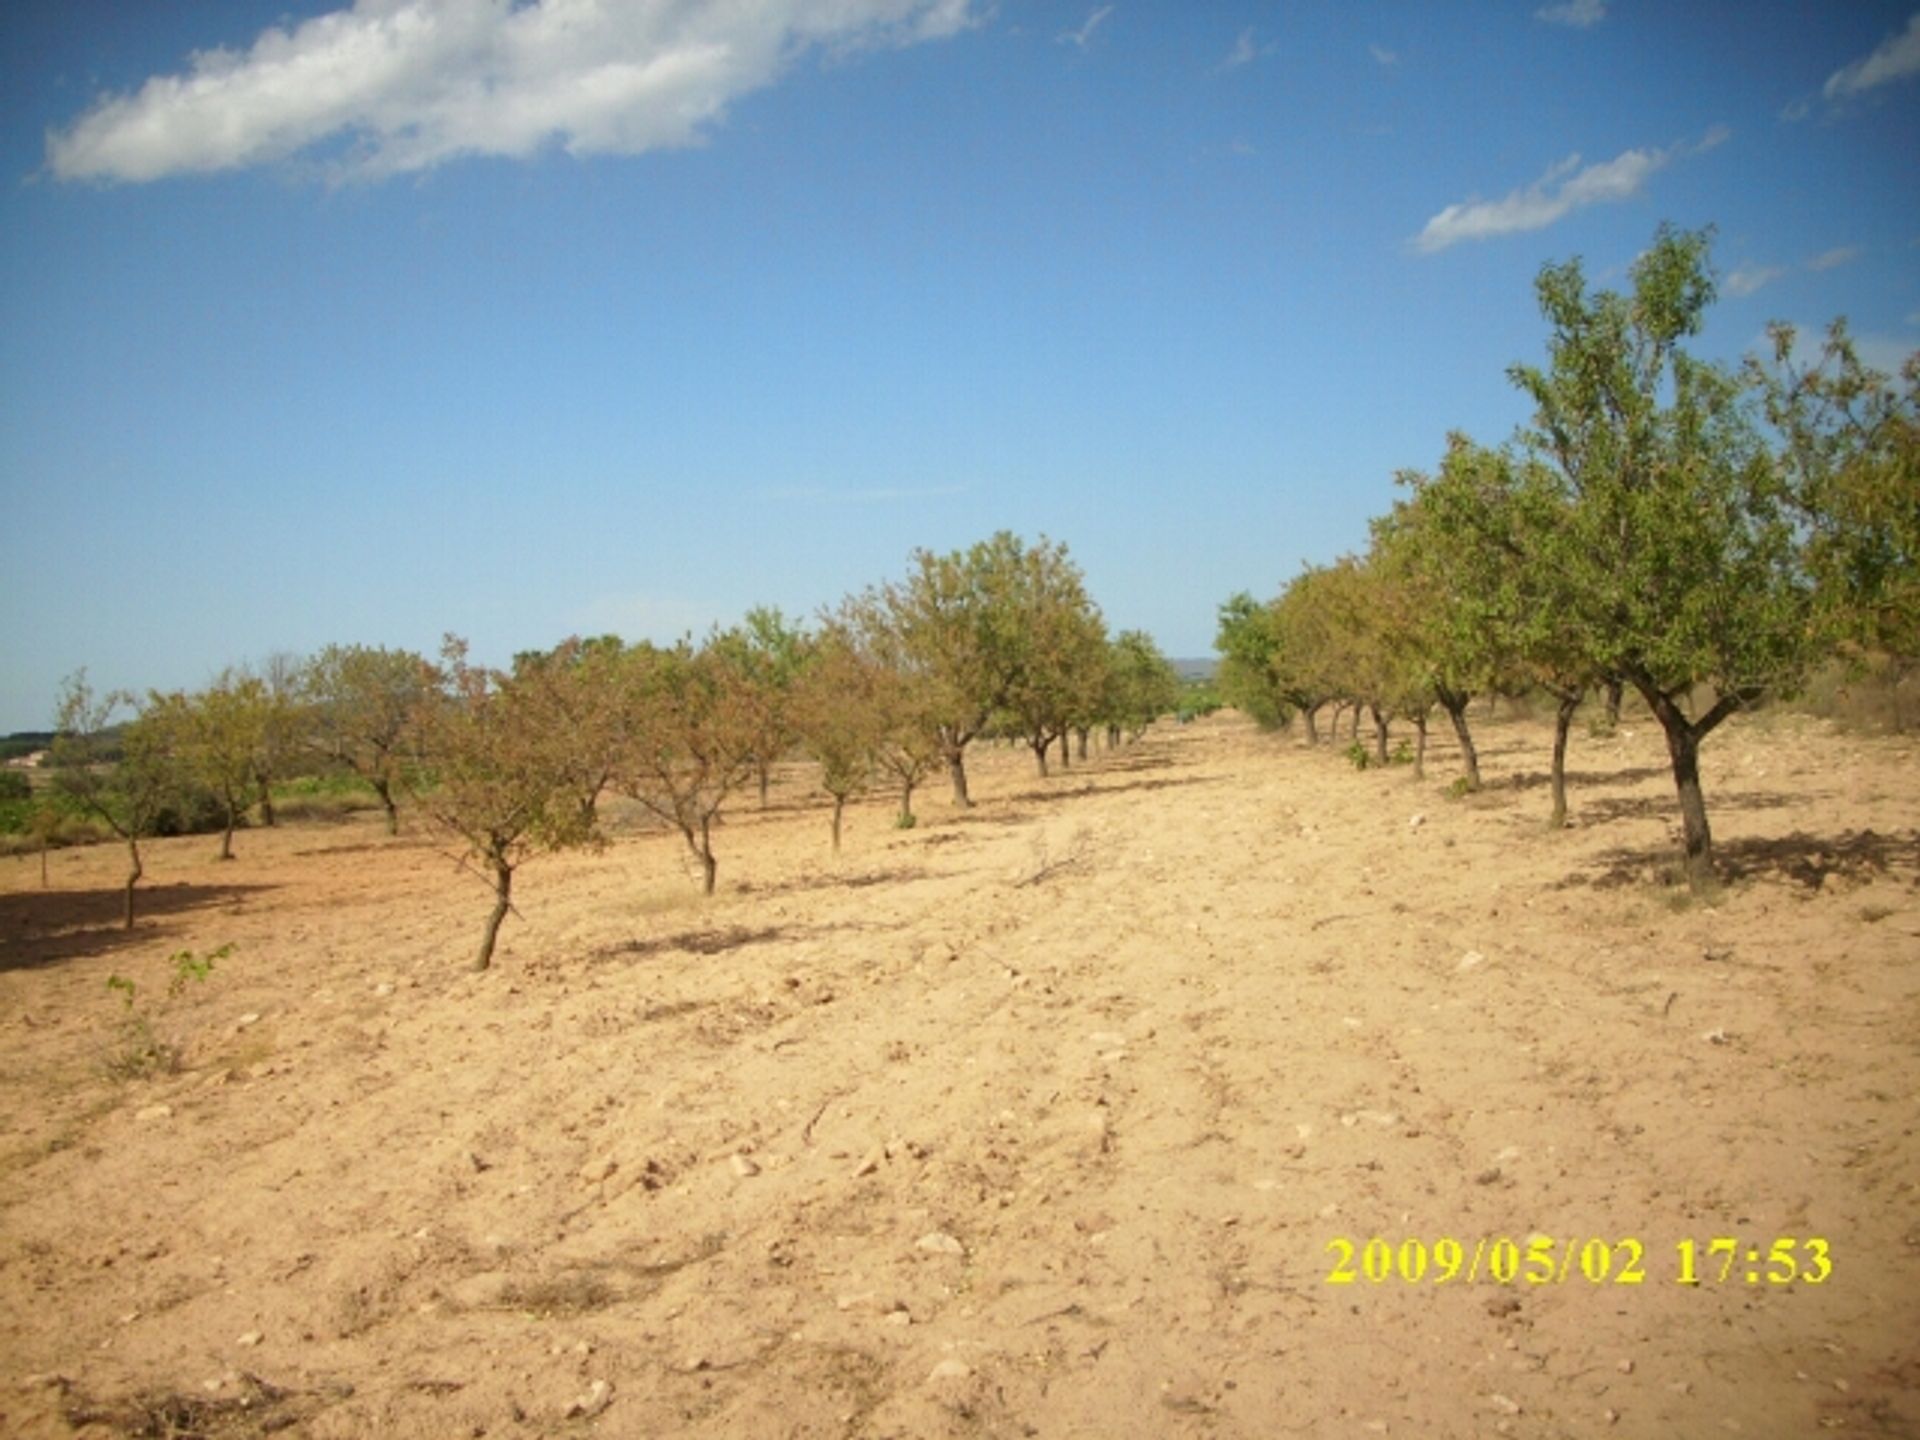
point(138, 1050)
point(1402, 754)
point(905, 821)
point(14, 785)
point(1359, 755)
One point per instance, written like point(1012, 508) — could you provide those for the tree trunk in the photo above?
point(1420, 747)
point(1113, 737)
point(267, 817)
point(1355, 737)
point(839, 804)
point(1562, 723)
point(1379, 735)
point(1313, 732)
point(1614, 688)
point(710, 867)
point(43, 862)
point(906, 803)
point(133, 878)
point(957, 774)
point(1683, 749)
point(502, 902)
point(1038, 744)
point(1082, 736)
point(1066, 744)
point(765, 773)
point(1455, 704)
point(385, 791)
point(226, 837)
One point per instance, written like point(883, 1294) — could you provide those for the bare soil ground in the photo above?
point(1037, 1120)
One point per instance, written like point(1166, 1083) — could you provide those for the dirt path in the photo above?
point(1035, 1120)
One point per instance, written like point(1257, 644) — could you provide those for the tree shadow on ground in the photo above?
point(1093, 788)
point(1579, 779)
point(1604, 809)
point(1799, 859)
point(44, 927)
point(711, 940)
point(857, 881)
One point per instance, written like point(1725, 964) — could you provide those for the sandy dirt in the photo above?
point(1036, 1120)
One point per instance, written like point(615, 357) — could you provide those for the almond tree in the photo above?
point(1057, 667)
point(1675, 537)
point(838, 718)
point(977, 625)
point(1249, 677)
point(497, 773)
point(221, 733)
point(900, 694)
point(1849, 442)
point(1141, 685)
point(125, 780)
point(360, 702)
point(689, 729)
point(770, 651)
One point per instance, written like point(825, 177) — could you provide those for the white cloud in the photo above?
point(1566, 187)
point(409, 84)
point(1580, 14)
point(1895, 59)
point(1081, 36)
point(1830, 259)
point(1745, 279)
point(1246, 50)
point(1384, 55)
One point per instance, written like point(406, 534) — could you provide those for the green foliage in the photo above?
point(1358, 755)
point(138, 1049)
point(1000, 629)
point(1250, 676)
point(1198, 698)
point(357, 707)
point(1141, 685)
point(14, 785)
point(1402, 753)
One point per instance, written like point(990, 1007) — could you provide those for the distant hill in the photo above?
point(1202, 669)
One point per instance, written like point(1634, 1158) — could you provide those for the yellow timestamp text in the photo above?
point(1591, 1260)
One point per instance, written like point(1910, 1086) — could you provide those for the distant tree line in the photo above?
point(1000, 639)
point(1700, 535)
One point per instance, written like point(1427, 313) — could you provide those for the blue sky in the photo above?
point(324, 324)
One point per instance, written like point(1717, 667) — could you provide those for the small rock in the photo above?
point(153, 1112)
point(1625, 1367)
point(743, 1166)
point(1489, 1176)
point(866, 1299)
point(938, 1242)
point(898, 1317)
point(584, 1407)
point(252, 1337)
point(594, 1171)
point(1416, 822)
point(383, 988)
point(1716, 1036)
point(870, 1162)
point(1469, 961)
point(1610, 1415)
point(1504, 1405)
point(252, 1017)
point(949, 1370)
